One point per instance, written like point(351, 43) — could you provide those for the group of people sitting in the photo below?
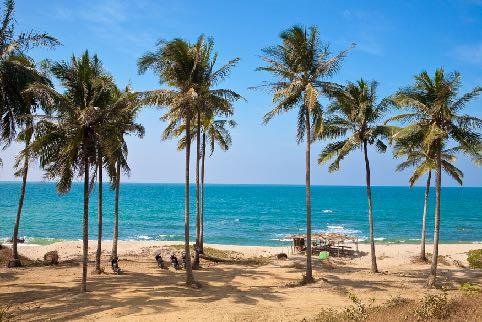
point(160, 262)
point(174, 261)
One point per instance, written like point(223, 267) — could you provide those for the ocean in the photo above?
point(241, 214)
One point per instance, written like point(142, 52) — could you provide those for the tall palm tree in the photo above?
point(112, 149)
point(433, 116)
point(355, 116)
point(177, 64)
point(17, 71)
point(67, 143)
point(210, 101)
point(424, 162)
point(126, 106)
point(19, 116)
point(299, 64)
point(214, 132)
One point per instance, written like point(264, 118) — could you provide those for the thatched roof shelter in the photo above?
point(325, 236)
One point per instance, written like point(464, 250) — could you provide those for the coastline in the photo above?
point(264, 289)
point(71, 249)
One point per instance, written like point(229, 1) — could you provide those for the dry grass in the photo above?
point(432, 307)
point(6, 256)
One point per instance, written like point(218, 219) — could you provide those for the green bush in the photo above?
point(470, 288)
point(358, 311)
point(433, 306)
point(475, 258)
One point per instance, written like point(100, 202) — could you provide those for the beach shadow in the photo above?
point(133, 291)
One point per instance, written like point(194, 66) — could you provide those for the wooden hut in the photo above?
point(330, 242)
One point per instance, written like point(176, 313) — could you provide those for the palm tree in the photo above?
point(112, 149)
point(433, 115)
point(299, 65)
point(213, 132)
point(355, 113)
point(424, 163)
point(17, 71)
point(20, 116)
point(68, 143)
point(177, 64)
point(210, 101)
point(126, 106)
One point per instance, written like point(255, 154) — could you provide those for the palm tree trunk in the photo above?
point(99, 222)
point(201, 246)
point(309, 269)
point(116, 213)
point(198, 210)
point(424, 219)
point(85, 240)
point(438, 183)
point(189, 275)
point(16, 258)
point(374, 267)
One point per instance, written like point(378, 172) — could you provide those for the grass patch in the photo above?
point(5, 313)
point(226, 256)
point(470, 288)
point(223, 254)
point(433, 306)
point(474, 257)
point(6, 256)
point(441, 259)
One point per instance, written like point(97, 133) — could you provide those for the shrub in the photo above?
point(397, 301)
point(475, 258)
point(433, 306)
point(358, 311)
point(5, 314)
point(328, 315)
point(470, 288)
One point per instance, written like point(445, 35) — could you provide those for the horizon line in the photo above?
point(243, 184)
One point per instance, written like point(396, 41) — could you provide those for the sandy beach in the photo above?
point(230, 291)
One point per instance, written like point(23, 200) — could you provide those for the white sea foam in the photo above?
point(327, 211)
point(143, 237)
point(379, 238)
point(339, 229)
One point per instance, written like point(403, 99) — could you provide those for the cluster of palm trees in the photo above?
point(431, 121)
point(81, 130)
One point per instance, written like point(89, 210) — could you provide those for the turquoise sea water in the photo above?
point(242, 214)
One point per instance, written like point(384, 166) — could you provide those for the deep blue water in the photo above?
point(242, 214)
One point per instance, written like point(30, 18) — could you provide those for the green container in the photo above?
point(324, 255)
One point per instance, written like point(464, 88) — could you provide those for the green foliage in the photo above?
point(433, 306)
point(359, 310)
point(328, 315)
point(470, 288)
point(433, 116)
point(397, 301)
point(299, 65)
point(474, 257)
point(354, 117)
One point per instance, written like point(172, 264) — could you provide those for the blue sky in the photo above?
point(395, 40)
